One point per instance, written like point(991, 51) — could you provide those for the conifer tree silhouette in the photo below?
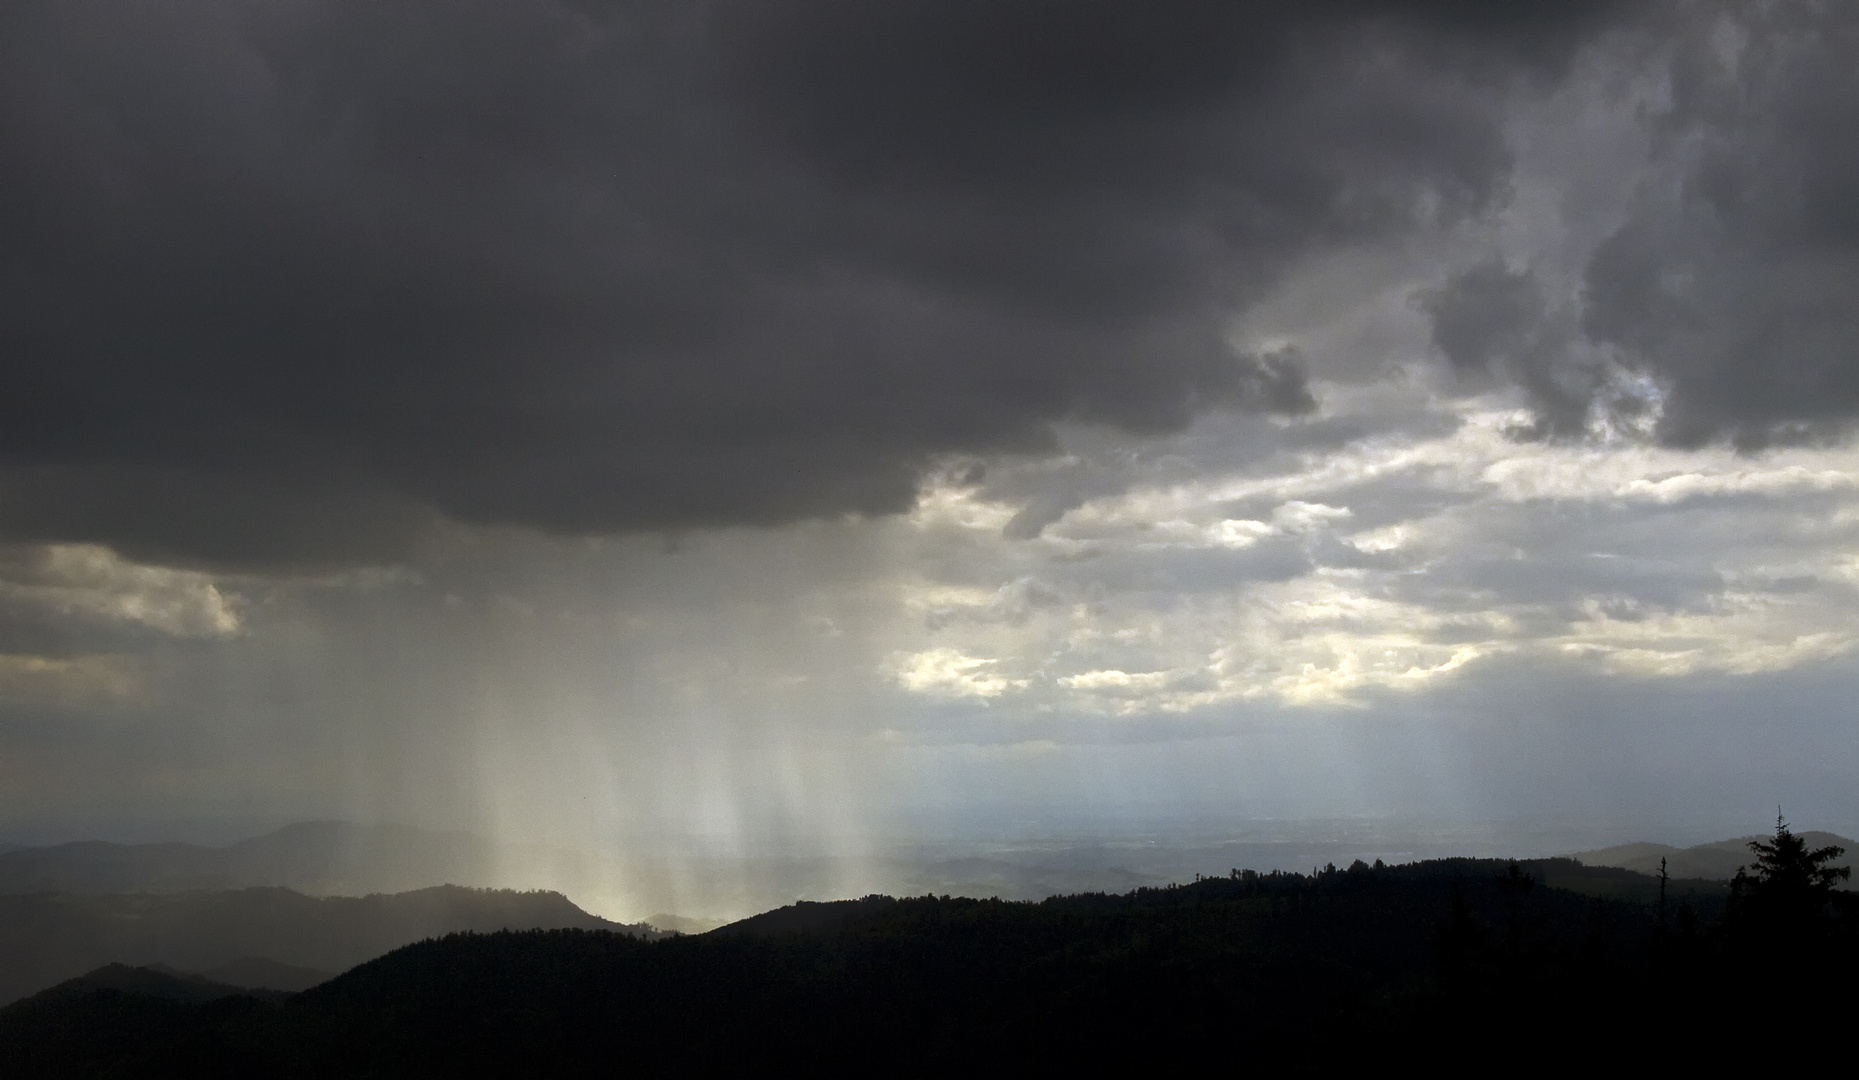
point(1788, 880)
point(1784, 909)
point(1789, 929)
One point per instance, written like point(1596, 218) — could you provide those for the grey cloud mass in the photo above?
point(1737, 278)
point(291, 282)
point(1725, 304)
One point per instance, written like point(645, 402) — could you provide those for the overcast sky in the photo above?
point(830, 423)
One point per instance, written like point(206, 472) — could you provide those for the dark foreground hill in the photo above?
point(1453, 966)
point(255, 937)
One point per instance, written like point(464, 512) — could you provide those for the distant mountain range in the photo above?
point(695, 892)
point(1716, 861)
point(159, 981)
point(325, 858)
point(261, 937)
point(679, 924)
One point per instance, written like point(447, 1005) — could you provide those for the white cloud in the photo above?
point(1113, 679)
point(1392, 563)
point(946, 672)
point(1233, 533)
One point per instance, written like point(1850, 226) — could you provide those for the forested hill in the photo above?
point(1459, 958)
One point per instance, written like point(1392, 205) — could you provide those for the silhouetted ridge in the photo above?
point(158, 981)
point(806, 915)
point(1456, 964)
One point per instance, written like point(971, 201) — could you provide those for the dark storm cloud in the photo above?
point(1740, 283)
point(1271, 382)
point(1734, 279)
point(1495, 317)
point(283, 279)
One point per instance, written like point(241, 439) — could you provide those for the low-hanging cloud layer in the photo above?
point(757, 421)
